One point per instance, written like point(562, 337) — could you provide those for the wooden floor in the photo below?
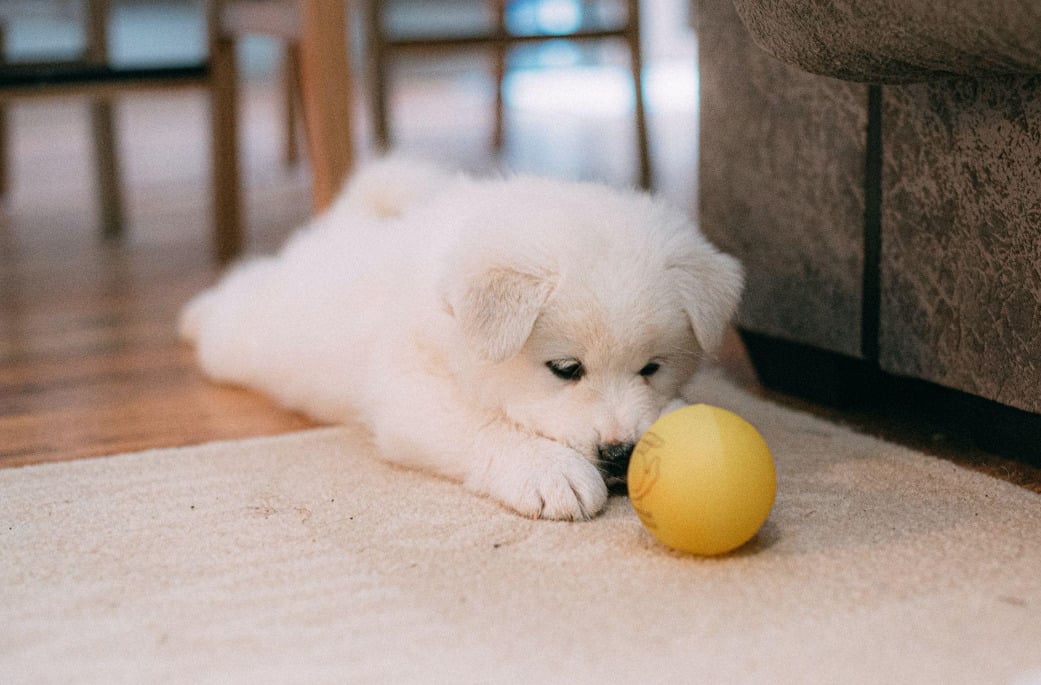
point(89, 361)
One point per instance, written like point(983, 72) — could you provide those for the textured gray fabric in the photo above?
point(961, 239)
point(782, 185)
point(898, 41)
point(783, 192)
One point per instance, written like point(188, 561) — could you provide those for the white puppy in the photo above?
point(514, 335)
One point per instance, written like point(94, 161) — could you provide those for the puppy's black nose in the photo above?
point(614, 463)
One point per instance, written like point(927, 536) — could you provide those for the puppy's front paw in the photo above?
point(551, 481)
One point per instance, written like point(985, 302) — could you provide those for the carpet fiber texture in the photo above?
point(302, 559)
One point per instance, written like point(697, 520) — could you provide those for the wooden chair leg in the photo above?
point(291, 102)
point(4, 180)
point(103, 128)
point(501, 50)
point(107, 168)
point(227, 214)
point(378, 55)
point(636, 64)
point(326, 85)
point(4, 164)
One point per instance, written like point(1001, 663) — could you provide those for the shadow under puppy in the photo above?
point(515, 335)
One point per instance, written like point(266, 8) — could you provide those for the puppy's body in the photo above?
point(512, 335)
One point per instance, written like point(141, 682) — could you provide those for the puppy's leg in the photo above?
point(532, 475)
point(230, 323)
point(535, 476)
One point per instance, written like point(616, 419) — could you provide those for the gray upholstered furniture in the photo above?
point(877, 166)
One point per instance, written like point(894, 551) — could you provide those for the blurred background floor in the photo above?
point(568, 114)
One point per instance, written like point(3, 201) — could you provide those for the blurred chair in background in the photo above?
point(385, 43)
point(87, 74)
point(315, 31)
point(315, 38)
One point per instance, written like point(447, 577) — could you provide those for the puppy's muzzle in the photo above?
point(614, 463)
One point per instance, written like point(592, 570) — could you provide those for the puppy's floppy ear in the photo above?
point(498, 306)
point(710, 285)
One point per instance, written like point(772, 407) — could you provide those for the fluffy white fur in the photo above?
point(430, 303)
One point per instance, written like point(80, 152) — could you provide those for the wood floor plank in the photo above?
point(94, 367)
point(90, 363)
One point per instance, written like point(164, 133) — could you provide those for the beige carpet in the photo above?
point(297, 559)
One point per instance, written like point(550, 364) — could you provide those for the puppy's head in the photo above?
point(584, 312)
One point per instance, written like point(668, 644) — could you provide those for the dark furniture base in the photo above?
point(845, 383)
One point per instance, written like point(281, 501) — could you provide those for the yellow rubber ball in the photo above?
point(702, 480)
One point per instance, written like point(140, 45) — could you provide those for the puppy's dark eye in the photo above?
point(567, 369)
point(650, 369)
